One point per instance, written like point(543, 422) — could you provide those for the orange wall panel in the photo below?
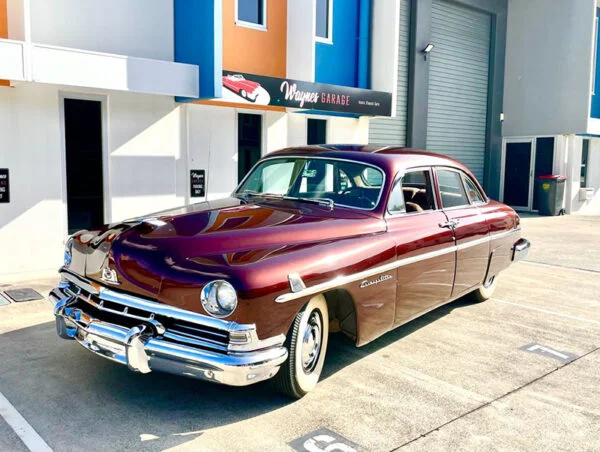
point(256, 51)
point(3, 30)
point(3, 20)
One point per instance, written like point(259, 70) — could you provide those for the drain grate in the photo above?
point(19, 295)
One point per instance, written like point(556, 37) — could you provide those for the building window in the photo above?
point(324, 17)
point(585, 151)
point(251, 13)
point(316, 131)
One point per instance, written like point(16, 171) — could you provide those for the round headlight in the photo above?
point(219, 298)
point(68, 252)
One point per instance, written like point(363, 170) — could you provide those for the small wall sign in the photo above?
point(4, 186)
point(197, 183)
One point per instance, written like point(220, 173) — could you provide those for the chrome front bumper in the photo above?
point(521, 250)
point(150, 346)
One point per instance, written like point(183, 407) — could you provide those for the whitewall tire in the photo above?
point(307, 346)
point(486, 291)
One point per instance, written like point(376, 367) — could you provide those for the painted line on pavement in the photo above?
point(21, 427)
point(547, 311)
point(566, 267)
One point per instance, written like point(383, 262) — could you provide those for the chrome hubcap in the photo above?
point(311, 342)
point(489, 282)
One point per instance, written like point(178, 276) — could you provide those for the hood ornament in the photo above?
point(110, 276)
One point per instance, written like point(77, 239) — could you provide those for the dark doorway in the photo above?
point(544, 161)
point(249, 142)
point(83, 144)
point(516, 174)
point(316, 131)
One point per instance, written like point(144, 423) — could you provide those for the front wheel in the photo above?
point(486, 291)
point(307, 345)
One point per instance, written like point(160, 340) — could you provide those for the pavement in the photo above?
point(518, 372)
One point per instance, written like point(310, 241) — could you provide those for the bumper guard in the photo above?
point(143, 348)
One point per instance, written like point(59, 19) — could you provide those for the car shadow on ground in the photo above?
point(60, 388)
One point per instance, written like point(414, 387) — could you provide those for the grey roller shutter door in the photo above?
point(392, 131)
point(458, 84)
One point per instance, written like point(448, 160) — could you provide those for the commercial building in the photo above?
point(507, 87)
point(110, 110)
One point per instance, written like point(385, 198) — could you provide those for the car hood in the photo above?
point(202, 242)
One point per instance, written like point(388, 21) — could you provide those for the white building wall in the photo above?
point(300, 51)
point(212, 145)
point(141, 28)
point(32, 226)
point(148, 161)
point(384, 47)
point(548, 67)
point(146, 167)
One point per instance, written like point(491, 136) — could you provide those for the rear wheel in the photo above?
point(486, 291)
point(307, 345)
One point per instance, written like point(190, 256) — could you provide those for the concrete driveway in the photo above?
point(519, 372)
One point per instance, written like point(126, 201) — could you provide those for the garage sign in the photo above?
point(4, 186)
point(254, 89)
point(197, 183)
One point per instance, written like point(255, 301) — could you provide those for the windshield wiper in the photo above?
point(321, 201)
point(252, 193)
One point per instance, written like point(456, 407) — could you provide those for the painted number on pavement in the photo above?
point(543, 350)
point(323, 440)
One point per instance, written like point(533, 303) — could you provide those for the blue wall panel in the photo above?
point(337, 63)
point(595, 113)
point(199, 40)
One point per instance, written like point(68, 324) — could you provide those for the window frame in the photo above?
point(242, 23)
point(399, 176)
point(461, 174)
point(319, 121)
point(466, 177)
point(329, 38)
point(585, 152)
point(595, 56)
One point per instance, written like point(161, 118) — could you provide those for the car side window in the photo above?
point(452, 190)
point(412, 193)
point(396, 202)
point(473, 192)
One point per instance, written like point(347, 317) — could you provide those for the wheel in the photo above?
point(307, 345)
point(243, 93)
point(486, 291)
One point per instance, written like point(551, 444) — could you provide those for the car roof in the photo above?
point(390, 158)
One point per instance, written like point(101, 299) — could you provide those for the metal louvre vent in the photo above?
point(458, 84)
point(392, 131)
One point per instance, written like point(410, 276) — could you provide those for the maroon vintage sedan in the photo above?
point(315, 240)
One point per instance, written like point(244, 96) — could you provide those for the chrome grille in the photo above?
point(176, 330)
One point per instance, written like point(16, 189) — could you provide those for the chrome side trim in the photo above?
point(343, 280)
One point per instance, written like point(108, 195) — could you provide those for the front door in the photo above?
point(83, 146)
point(249, 142)
point(518, 162)
point(525, 160)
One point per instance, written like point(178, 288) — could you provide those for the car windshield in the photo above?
point(336, 182)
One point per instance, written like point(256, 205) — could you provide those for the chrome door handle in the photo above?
point(449, 224)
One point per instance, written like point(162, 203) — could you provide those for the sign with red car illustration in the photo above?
point(261, 90)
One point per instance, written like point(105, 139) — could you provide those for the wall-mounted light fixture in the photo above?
point(427, 50)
